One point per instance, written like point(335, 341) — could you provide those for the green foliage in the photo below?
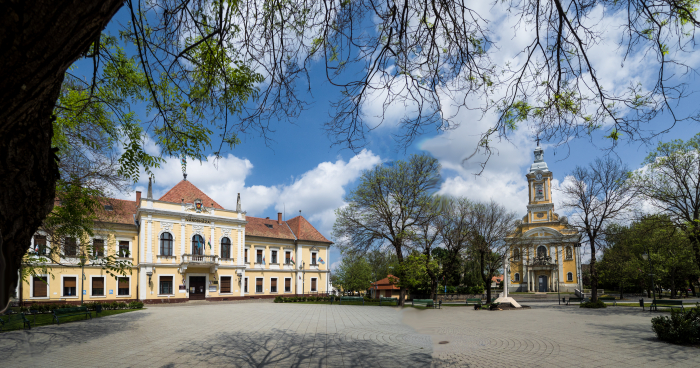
point(354, 274)
point(414, 272)
point(682, 327)
point(595, 304)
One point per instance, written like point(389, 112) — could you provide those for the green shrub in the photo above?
point(596, 304)
point(278, 299)
point(122, 305)
point(682, 327)
point(136, 305)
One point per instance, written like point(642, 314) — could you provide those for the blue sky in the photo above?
point(300, 170)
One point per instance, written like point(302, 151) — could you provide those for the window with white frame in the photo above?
point(40, 287)
point(225, 284)
point(273, 257)
point(245, 255)
point(245, 285)
point(313, 284)
point(259, 285)
point(70, 248)
point(225, 247)
point(166, 285)
point(288, 257)
point(273, 285)
point(517, 276)
point(40, 245)
point(123, 286)
point(313, 259)
point(258, 256)
point(70, 286)
point(98, 247)
point(98, 286)
point(124, 249)
point(287, 284)
point(569, 276)
point(166, 244)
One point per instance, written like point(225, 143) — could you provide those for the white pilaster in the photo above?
point(243, 283)
point(183, 225)
point(149, 247)
point(143, 283)
point(212, 235)
point(560, 275)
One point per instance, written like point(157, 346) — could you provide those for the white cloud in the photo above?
point(317, 192)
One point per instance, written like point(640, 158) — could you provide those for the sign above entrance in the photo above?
point(190, 218)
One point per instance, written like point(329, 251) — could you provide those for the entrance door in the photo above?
point(543, 284)
point(197, 285)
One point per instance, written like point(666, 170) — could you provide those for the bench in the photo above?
point(426, 302)
point(388, 300)
point(15, 318)
point(608, 299)
point(67, 312)
point(352, 299)
point(473, 301)
point(665, 303)
point(574, 300)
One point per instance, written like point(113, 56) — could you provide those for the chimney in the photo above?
point(267, 218)
point(138, 198)
point(150, 189)
point(279, 218)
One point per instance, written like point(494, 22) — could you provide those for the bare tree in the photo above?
point(596, 195)
point(489, 223)
point(387, 208)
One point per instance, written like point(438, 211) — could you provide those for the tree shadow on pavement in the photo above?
point(284, 348)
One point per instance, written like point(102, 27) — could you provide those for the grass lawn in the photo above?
point(47, 319)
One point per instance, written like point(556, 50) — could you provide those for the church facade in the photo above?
point(183, 246)
point(544, 250)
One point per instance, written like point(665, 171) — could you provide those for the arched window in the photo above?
point(569, 253)
point(516, 254)
point(517, 276)
point(541, 251)
point(225, 248)
point(569, 276)
point(198, 245)
point(166, 244)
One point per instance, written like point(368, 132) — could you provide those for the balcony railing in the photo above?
point(199, 259)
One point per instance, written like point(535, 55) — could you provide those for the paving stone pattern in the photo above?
point(305, 335)
point(218, 334)
point(547, 336)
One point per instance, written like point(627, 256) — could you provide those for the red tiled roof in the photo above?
point(122, 211)
point(497, 278)
point(305, 231)
point(384, 284)
point(257, 226)
point(187, 190)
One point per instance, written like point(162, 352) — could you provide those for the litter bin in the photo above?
point(641, 303)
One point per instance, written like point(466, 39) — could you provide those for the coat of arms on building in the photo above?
point(198, 205)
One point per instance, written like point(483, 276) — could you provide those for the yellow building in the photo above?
point(185, 246)
point(544, 250)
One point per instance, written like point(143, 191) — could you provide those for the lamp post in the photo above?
point(646, 257)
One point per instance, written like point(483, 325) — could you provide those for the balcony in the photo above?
point(197, 260)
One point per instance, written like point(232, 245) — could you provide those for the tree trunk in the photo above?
point(40, 39)
point(594, 274)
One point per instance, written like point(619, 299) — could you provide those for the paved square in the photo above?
point(304, 335)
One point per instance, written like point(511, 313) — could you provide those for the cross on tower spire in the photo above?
point(538, 140)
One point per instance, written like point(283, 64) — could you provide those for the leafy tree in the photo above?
point(415, 273)
point(597, 194)
point(354, 274)
point(671, 183)
point(453, 225)
point(382, 263)
point(387, 208)
point(621, 264)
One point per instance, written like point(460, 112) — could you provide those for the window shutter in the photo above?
point(258, 282)
point(166, 278)
point(225, 284)
point(98, 282)
point(40, 287)
point(273, 283)
point(123, 282)
point(69, 282)
point(287, 283)
point(313, 284)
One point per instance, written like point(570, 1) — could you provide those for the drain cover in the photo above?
point(444, 342)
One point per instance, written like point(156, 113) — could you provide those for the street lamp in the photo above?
point(646, 257)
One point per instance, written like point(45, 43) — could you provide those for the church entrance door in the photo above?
point(543, 284)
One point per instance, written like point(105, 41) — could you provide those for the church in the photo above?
point(543, 250)
point(182, 246)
